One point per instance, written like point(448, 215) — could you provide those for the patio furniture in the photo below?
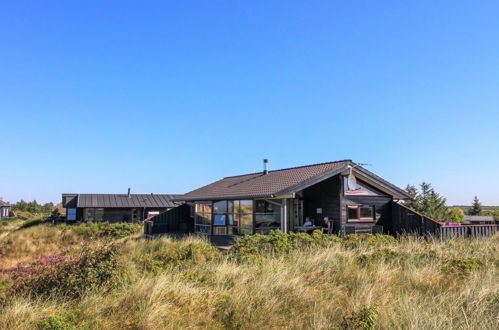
point(306, 229)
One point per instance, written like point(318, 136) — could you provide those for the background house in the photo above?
point(478, 219)
point(5, 209)
point(116, 207)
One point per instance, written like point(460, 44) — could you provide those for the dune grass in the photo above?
point(280, 281)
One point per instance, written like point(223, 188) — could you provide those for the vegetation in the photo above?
point(486, 210)
point(476, 207)
point(32, 209)
point(427, 201)
point(56, 277)
point(455, 215)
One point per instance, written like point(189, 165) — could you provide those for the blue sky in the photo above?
point(163, 97)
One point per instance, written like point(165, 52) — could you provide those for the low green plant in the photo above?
point(278, 243)
point(365, 318)
point(54, 323)
point(462, 266)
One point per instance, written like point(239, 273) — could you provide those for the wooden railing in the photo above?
point(408, 221)
point(472, 231)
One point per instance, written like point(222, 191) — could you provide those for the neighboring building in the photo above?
point(5, 209)
point(354, 199)
point(116, 207)
point(478, 219)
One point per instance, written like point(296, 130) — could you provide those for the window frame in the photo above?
point(359, 218)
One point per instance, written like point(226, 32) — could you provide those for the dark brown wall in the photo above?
point(382, 208)
point(325, 195)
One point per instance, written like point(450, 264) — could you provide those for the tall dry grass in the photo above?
point(412, 284)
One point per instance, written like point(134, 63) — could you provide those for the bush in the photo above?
point(278, 243)
point(90, 268)
point(462, 266)
point(107, 230)
point(454, 214)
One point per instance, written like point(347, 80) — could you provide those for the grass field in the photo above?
point(61, 277)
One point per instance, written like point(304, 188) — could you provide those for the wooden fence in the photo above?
point(408, 221)
point(176, 220)
point(472, 231)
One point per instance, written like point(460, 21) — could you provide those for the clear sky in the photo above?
point(166, 96)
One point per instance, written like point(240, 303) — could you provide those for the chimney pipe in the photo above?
point(265, 171)
point(129, 192)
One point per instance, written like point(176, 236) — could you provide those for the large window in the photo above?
point(202, 219)
point(226, 217)
point(71, 214)
point(243, 217)
point(93, 214)
point(267, 216)
point(361, 213)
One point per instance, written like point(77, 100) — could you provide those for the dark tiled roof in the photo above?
point(263, 185)
point(123, 201)
point(279, 182)
point(3, 203)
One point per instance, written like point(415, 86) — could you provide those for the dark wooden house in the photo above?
point(5, 209)
point(353, 198)
point(116, 207)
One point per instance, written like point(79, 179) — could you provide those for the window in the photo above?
point(228, 217)
point(203, 217)
point(267, 216)
point(91, 214)
point(361, 213)
point(71, 214)
point(99, 214)
point(88, 214)
point(243, 217)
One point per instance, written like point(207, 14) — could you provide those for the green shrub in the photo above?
point(90, 268)
point(382, 255)
point(366, 318)
point(462, 266)
point(107, 230)
point(278, 243)
point(368, 240)
point(454, 214)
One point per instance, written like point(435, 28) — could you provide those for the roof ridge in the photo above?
point(291, 168)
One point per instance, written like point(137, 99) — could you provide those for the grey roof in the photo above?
point(3, 203)
point(123, 201)
point(478, 218)
point(281, 182)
